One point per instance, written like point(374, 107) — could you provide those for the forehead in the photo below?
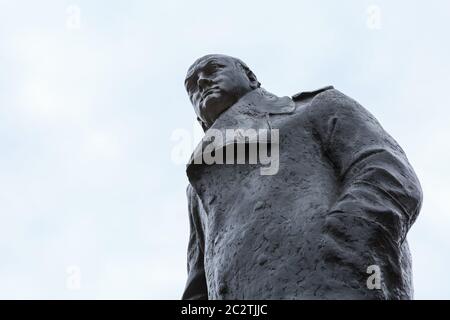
point(203, 62)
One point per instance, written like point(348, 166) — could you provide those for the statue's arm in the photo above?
point(196, 283)
point(379, 196)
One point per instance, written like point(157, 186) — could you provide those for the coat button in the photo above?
point(262, 259)
point(212, 199)
point(258, 205)
point(223, 289)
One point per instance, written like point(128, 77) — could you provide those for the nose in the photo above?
point(203, 83)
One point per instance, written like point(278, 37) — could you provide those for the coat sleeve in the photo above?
point(196, 288)
point(379, 196)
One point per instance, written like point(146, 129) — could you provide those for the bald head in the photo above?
point(215, 82)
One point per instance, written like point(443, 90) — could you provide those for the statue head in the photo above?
point(215, 82)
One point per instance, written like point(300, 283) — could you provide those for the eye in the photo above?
point(210, 69)
point(213, 68)
point(190, 85)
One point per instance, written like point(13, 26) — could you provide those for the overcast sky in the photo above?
point(92, 194)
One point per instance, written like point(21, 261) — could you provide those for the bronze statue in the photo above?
point(340, 203)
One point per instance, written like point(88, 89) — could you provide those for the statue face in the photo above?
point(214, 84)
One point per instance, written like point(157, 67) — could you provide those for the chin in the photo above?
point(214, 106)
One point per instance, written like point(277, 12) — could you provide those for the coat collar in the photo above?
point(250, 112)
point(308, 94)
point(255, 104)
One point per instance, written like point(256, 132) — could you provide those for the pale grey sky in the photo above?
point(92, 203)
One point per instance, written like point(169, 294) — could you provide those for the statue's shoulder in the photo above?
point(329, 102)
point(305, 95)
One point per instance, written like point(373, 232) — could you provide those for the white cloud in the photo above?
point(87, 115)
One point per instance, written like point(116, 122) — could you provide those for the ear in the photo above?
point(253, 80)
